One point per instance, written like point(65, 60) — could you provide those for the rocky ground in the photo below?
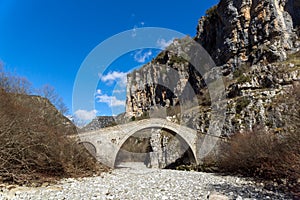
point(134, 181)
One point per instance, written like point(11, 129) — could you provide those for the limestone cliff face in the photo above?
point(251, 98)
point(255, 43)
point(163, 82)
point(238, 31)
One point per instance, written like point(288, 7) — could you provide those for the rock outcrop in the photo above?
point(239, 31)
point(165, 82)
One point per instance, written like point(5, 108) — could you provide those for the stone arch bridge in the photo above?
point(105, 143)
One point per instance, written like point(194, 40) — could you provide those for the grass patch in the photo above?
point(243, 79)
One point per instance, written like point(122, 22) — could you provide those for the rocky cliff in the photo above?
point(255, 44)
point(162, 82)
point(239, 31)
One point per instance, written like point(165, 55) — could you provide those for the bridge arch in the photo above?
point(185, 135)
point(185, 148)
point(90, 147)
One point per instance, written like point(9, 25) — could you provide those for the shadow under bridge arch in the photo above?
point(166, 143)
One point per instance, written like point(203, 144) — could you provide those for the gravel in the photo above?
point(134, 181)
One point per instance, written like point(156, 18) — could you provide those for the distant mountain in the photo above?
point(98, 123)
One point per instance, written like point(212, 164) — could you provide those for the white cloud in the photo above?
point(162, 43)
point(133, 34)
point(138, 25)
point(99, 91)
point(141, 56)
point(111, 101)
point(114, 76)
point(119, 91)
point(84, 115)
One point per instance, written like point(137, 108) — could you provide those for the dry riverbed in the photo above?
point(134, 181)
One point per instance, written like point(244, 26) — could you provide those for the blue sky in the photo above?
point(47, 41)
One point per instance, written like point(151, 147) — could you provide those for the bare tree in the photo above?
point(3, 78)
point(14, 84)
point(34, 145)
point(20, 85)
point(61, 106)
point(49, 92)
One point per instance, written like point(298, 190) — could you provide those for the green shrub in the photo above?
point(242, 103)
point(145, 115)
point(177, 59)
point(211, 12)
point(243, 79)
point(133, 118)
point(238, 72)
